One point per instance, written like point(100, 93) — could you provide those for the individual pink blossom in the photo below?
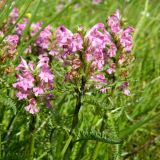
point(43, 60)
point(32, 107)
point(24, 66)
point(11, 43)
point(121, 59)
point(32, 81)
point(43, 40)
point(13, 15)
point(126, 39)
point(96, 2)
point(99, 78)
point(103, 90)
point(24, 81)
point(126, 92)
point(114, 22)
point(22, 94)
point(28, 49)
point(68, 41)
point(112, 49)
point(39, 89)
point(45, 74)
point(112, 69)
point(12, 40)
point(124, 88)
point(20, 27)
point(77, 42)
point(35, 27)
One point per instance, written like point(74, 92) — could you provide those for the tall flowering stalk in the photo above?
point(99, 59)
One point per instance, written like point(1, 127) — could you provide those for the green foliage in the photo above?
point(96, 136)
point(110, 127)
point(8, 103)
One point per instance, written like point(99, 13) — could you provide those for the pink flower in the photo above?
point(124, 88)
point(126, 39)
point(103, 90)
point(23, 65)
point(28, 50)
point(112, 50)
point(35, 27)
point(38, 90)
point(95, 2)
point(126, 92)
point(100, 78)
point(112, 69)
point(24, 81)
point(32, 107)
point(43, 59)
point(12, 40)
point(114, 22)
point(13, 15)
point(63, 35)
point(45, 74)
point(21, 26)
point(43, 39)
point(68, 41)
point(22, 94)
point(77, 42)
point(24, 86)
point(121, 59)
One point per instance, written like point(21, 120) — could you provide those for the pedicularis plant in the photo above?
point(89, 68)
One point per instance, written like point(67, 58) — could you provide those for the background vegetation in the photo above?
point(134, 120)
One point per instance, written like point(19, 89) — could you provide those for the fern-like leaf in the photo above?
point(8, 102)
point(97, 136)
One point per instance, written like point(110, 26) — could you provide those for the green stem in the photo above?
point(32, 130)
point(66, 146)
point(80, 93)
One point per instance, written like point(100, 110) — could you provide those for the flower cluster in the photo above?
point(104, 51)
point(123, 35)
point(33, 81)
point(100, 54)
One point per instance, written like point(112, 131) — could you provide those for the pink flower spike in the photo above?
point(114, 22)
